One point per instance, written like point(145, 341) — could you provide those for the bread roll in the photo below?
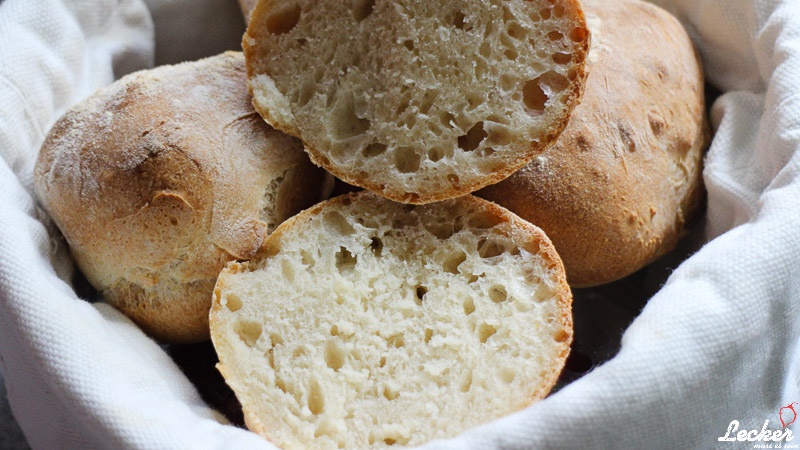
point(418, 100)
point(161, 178)
point(616, 190)
point(367, 323)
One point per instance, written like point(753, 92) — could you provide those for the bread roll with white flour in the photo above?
point(619, 186)
point(367, 323)
point(418, 100)
point(159, 179)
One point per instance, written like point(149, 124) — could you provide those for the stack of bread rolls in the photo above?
point(195, 199)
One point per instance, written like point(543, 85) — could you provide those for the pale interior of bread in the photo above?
point(377, 325)
point(417, 97)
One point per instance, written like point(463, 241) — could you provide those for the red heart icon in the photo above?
point(790, 407)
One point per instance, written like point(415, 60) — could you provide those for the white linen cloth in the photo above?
point(718, 343)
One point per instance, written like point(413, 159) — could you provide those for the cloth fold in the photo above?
point(717, 345)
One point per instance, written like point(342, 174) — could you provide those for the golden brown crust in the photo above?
point(159, 179)
point(617, 188)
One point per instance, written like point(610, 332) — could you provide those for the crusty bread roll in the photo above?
point(418, 100)
point(616, 190)
point(159, 179)
point(367, 323)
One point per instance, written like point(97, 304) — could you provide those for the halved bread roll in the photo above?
point(159, 179)
point(418, 100)
point(620, 184)
point(367, 323)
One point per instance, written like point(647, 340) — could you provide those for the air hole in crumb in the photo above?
point(276, 339)
point(401, 108)
point(497, 293)
point(419, 294)
point(389, 441)
point(283, 18)
point(466, 383)
point(271, 357)
point(248, 332)
point(499, 132)
point(338, 222)
point(233, 302)
point(345, 261)
point(489, 248)
point(306, 259)
point(287, 270)
point(544, 13)
point(561, 335)
point(473, 138)
point(485, 50)
point(443, 230)
point(555, 35)
point(396, 340)
point(562, 58)
point(539, 90)
point(343, 121)
point(458, 20)
point(453, 179)
point(507, 375)
point(428, 100)
point(362, 9)
point(534, 97)
point(306, 91)
point(280, 384)
point(382, 361)
point(516, 31)
point(453, 260)
point(484, 221)
point(406, 160)
point(428, 335)
point(447, 119)
point(408, 44)
point(578, 34)
point(507, 82)
point(376, 245)
point(507, 15)
point(510, 55)
point(436, 154)
point(485, 331)
point(473, 101)
point(389, 394)
point(374, 149)
point(334, 354)
point(469, 306)
point(316, 399)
